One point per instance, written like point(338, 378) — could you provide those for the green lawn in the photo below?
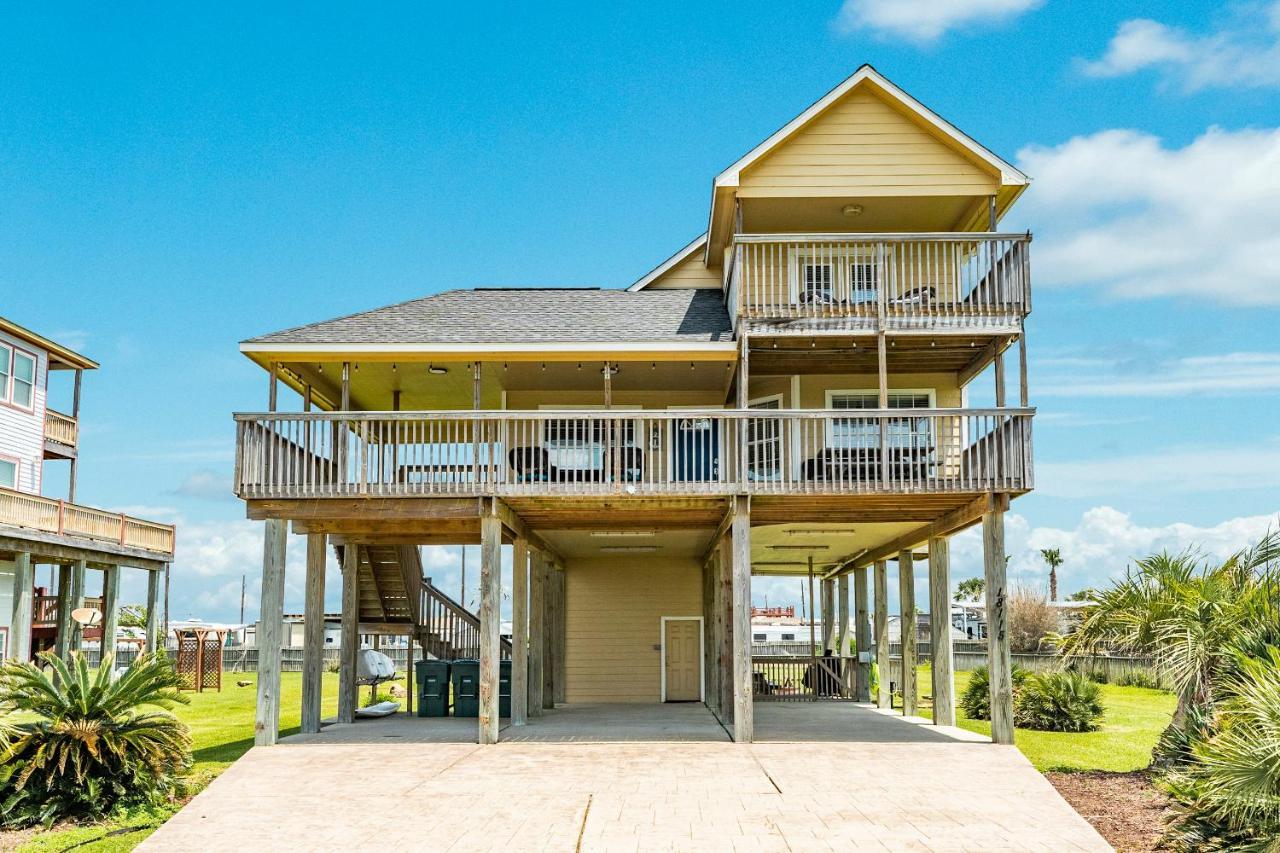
point(1135, 717)
point(222, 730)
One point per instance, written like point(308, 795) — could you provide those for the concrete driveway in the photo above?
point(635, 778)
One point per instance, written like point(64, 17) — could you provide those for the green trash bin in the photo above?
point(466, 688)
point(465, 675)
point(433, 687)
point(504, 689)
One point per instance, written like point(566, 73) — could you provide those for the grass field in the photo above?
point(222, 730)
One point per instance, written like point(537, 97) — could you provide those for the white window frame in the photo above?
point(832, 393)
point(588, 447)
point(782, 451)
point(6, 364)
point(702, 654)
point(841, 258)
point(13, 378)
point(17, 470)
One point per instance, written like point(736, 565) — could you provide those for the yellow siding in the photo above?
point(863, 146)
point(686, 275)
point(613, 617)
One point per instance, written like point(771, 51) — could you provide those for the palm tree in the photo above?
point(1053, 557)
point(1190, 618)
point(970, 589)
point(89, 746)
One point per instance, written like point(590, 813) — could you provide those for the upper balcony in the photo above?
point(61, 435)
point(46, 515)
point(840, 283)
point(632, 453)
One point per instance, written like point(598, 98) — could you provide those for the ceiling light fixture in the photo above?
point(852, 210)
point(616, 533)
point(629, 549)
point(436, 370)
point(820, 531)
point(798, 547)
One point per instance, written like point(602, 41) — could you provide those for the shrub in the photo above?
point(976, 699)
point(90, 748)
point(1031, 620)
point(1140, 678)
point(1058, 702)
point(1228, 796)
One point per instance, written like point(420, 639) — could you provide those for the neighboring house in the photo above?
point(784, 395)
point(54, 539)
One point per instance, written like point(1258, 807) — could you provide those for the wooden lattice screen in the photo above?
point(199, 658)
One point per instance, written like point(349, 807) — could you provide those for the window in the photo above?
point(788, 636)
point(836, 275)
point(759, 638)
point(864, 433)
point(9, 473)
point(24, 379)
point(6, 358)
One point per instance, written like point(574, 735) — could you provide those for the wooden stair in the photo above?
point(394, 592)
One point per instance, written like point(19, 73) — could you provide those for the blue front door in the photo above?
point(696, 450)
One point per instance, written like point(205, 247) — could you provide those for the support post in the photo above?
point(75, 413)
point(62, 637)
point(548, 639)
point(110, 610)
point(907, 606)
point(519, 632)
point(828, 615)
point(537, 630)
point(743, 712)
point(23, 602)
point(999, 664)
point(155, 635)
point(408, 672)
point(861, 637)
point(349, 644)
point(77, 601)
point(266, 720)
point(1000, 380)
point(1024, 397)
point(944, 706)
point(313, 634)
point(490, 625)
point(726, 630)
point(884, 698)
point(559, 637)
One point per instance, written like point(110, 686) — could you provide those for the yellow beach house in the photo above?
point(784, 395)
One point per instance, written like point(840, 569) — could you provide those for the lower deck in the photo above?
point(900, 785)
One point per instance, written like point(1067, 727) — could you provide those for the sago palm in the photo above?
point(91, 745)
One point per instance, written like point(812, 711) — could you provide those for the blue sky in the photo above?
point(178, 178)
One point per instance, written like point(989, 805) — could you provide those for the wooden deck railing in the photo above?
point(871, 281)
point(61, 428)
point(449, 630)
point(45, 609)
point(705, 452)
point(36, 512)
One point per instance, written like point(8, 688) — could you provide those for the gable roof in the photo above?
point(661, 269)
point(59, 356)
point(1009, 174)
point(524, 316)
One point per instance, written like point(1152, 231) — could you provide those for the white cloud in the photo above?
point(1212, 375)
point(206, 485)
point(1102, 545)
point(1165, 471)
point(1243, 51)
point(1121, 211)
point(924, 21)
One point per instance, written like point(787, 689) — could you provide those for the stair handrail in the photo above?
point(430, 591)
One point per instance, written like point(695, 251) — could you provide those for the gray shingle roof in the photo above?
point(532, 315)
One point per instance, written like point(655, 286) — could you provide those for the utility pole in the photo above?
point(242, 598)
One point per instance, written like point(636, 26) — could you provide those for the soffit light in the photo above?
point(436, 370)
point(852, 210)
point(629, 549)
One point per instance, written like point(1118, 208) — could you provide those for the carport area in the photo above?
point(821, 776)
